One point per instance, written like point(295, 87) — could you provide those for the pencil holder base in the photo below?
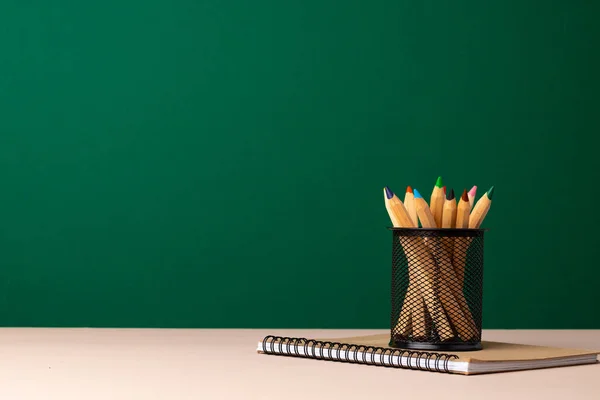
point(436, 347)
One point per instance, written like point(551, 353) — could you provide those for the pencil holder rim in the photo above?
point(391, 228)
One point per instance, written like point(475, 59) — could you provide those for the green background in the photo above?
point(220, 163)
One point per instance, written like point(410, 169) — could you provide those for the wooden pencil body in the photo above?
point(459, 251)
point(424, 213)
point(462, 215)
point(392, 214)
point(459, 257)
point(409, 203)
point(448, 222)
point(449, 215)
point(423, 277)
point(479, 212)
point(401, 213)
point(412, 319)
point(437, 205)
point(453, 292)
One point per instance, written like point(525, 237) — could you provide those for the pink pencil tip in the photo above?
point(473, 191)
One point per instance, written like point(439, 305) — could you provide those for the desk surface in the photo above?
point(221, 364)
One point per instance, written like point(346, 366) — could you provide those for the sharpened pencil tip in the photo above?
point(490, 193)
point(450, 195)
point(465, 196)
point(439, 183)
point(444, 189)
point(473, 191)
point(409, 189)
point(388, 193)
point(417, 194)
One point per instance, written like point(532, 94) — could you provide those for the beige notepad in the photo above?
point(374, 350)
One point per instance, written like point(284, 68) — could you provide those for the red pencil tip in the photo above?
point(409, 189)
point(464, 196)
point(444, 189)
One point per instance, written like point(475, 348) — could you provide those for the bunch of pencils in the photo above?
point(434, 301)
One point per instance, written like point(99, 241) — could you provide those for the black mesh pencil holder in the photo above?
point(437, 289)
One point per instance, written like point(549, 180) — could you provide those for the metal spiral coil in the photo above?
point(360, 354)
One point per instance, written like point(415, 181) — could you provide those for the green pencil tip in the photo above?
point(439, 183)
point(490, 193)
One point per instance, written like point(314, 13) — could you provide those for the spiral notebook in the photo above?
point(374, 350)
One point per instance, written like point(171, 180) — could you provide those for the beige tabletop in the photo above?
point(223, 364)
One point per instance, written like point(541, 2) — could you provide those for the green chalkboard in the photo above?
point(173, 163)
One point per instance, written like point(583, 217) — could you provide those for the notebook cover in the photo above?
point(492, 351)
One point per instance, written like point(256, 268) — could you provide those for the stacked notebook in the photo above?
point(374, 350)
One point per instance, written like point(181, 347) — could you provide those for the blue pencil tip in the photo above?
point(389, 193)
point(417, 194)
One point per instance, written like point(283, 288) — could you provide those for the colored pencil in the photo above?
point(481, 209)
point(398, 209)
point(409, 203)
point(462, 212)
point(387, 195)
point(471, 195)
point(461, 246)
point(437, 203)
point(423, 211)
point(449, 214)
point(449, 220)
point(475, 219)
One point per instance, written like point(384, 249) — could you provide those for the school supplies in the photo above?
point(437, 201)
point(409, 203)
point(449, 222)
point(375, 350)
point(397, 209)
point(449, 214)
point(471, 195)
point(481, 209)
point(424, 212)
point(463, 211)
point(435, 302)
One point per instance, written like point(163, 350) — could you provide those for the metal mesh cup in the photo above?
point(437, 288)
